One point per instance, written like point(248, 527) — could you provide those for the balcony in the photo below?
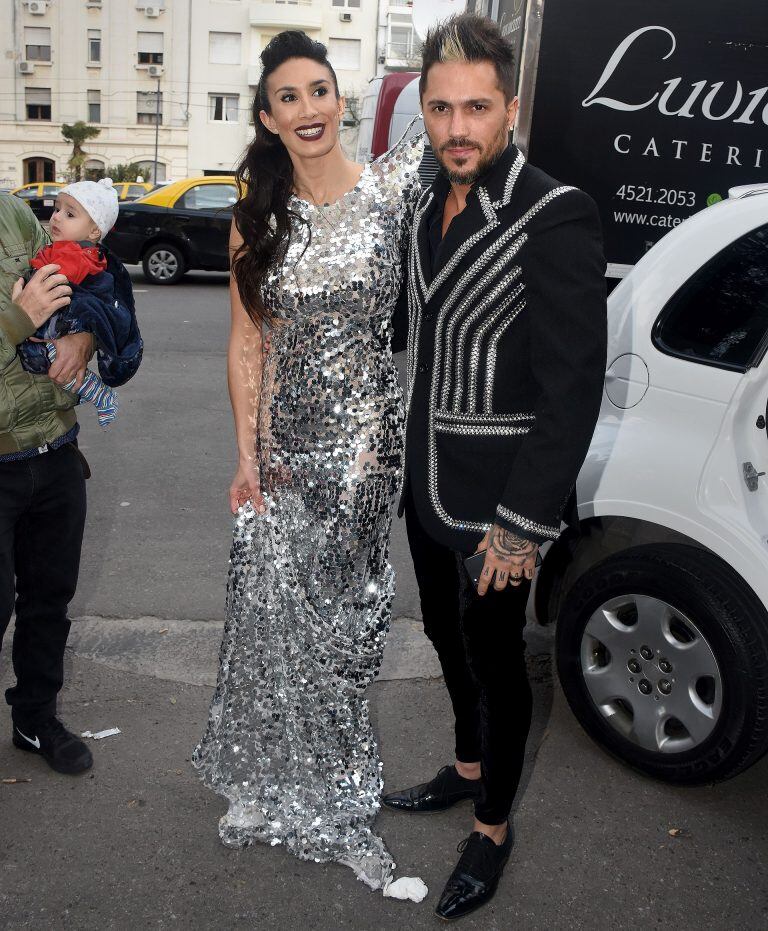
point(403, 55)
point(287, 14)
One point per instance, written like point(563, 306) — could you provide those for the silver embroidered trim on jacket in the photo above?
point(473, 429)
point(542, 530)
point(493, 295)
point(481, 284)
point(493, 346)
point(514, 174)
point(483, 418)
point(477, 341)
point(468, 279)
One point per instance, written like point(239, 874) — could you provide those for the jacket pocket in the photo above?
point(14, 260)
point(512, 424)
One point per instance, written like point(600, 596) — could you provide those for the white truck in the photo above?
point(659, 582)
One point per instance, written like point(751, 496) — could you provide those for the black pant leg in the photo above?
point(493, 634)
point(15, 494)
point(49, 538)
point(437, 575)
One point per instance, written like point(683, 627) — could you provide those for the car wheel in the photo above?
point(163, 264)
point(662, 652)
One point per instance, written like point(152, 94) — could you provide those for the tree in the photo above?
point(125, 172)
point(77, 134)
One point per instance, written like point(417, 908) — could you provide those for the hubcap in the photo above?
point(163, 264)
point(651, 673)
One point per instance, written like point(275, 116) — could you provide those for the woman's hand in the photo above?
point(246, 487)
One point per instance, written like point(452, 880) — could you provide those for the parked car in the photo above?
point(181, 226)
point(132, 190)
point(660, 586)
point(40, 196)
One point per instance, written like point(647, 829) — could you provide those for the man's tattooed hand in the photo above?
point(508, 559)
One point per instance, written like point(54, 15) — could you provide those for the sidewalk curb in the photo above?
point(187, 651)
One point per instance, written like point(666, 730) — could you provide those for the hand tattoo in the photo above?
point(507, 546)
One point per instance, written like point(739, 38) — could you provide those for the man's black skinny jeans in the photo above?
point(479, 642)
point(42, 518)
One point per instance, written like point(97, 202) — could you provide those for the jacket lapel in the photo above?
point(420, 262)
point(475, 222)
point(479, 218)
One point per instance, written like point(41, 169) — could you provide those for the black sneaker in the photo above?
point(61, 750)
point(440, 793)
point(477, 874)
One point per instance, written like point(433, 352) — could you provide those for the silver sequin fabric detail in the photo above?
point(289, 741)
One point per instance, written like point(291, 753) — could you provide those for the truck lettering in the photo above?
point(663, 99)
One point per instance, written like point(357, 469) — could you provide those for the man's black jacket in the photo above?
point(506, 354)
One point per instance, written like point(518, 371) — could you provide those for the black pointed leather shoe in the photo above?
point(477, 874)
point(447, 788)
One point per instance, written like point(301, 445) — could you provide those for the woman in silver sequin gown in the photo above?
point(289, 742)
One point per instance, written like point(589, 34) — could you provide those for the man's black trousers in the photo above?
point(42, 517)
point(482, 653)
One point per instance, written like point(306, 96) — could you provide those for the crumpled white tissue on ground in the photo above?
point(407, 887)
point(110, 732)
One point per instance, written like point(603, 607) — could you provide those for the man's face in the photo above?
point(466, 117)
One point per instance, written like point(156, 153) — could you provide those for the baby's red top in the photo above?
point(76, 261)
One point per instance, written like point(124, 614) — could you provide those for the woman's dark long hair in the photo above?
point(262, 215)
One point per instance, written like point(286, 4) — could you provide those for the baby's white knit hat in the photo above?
point(99, 198)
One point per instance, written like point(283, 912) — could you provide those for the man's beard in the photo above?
point(486, 159)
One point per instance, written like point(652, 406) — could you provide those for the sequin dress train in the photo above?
point(289, 741)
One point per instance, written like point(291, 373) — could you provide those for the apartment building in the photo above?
point(398, 44)
point(178, 75)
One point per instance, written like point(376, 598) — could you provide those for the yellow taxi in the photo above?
point(37, 189)
point(39, 195)
point(132, 190)
point(180, 226)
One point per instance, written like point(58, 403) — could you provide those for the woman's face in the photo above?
point(305, 110)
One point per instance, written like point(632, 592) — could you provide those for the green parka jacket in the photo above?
point(34, 411)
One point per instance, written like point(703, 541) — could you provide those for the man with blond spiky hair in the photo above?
point(506, 358)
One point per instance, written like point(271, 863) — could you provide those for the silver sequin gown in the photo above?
point(289, 741)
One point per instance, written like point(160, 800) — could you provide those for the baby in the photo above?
point(102, 296)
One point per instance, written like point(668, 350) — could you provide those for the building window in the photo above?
point(224, 48)
point(147, 170)
point(150, 46)
point(94, 46)
point(94, 106)
point(38, 101)
point(344, 54)
point(351, 111)
point(147, 108)
point(94, 169)
point(37, 43)
point(402, 43)
point(349, 4)
point(223, 108)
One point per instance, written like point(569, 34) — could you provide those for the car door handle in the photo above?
point(751, 476)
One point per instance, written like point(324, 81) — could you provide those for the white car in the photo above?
point(660, 586)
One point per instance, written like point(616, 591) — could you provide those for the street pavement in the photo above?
point(133, 844)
